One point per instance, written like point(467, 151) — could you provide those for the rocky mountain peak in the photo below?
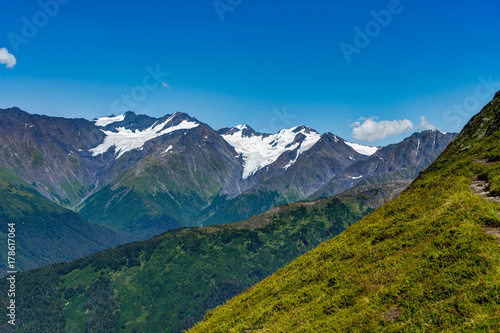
point(246, 131)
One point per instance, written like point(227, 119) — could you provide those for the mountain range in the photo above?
point(150, 175)
point(140, 176)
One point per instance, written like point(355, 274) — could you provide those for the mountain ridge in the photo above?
point(406, 154)
point(422, 262)
point(196, 175)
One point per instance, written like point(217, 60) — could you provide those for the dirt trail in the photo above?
point(480, 188)
point(490, 231)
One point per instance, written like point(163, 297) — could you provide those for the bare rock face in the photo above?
point(51, 153)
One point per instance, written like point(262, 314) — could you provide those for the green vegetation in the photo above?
point(167, 283)
point(36, 157)
point(46, 233)
point(244, 206)
point(117, 208)
point(157, 194)
point(420, 263)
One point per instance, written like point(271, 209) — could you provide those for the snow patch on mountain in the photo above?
point(105, 121)
point(126, 140)
point(292, 162)
point(362, 149)
point(259, 151)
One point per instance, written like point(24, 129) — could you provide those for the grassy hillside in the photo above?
point(46, 233)
point(167, 283)
point(420, 263)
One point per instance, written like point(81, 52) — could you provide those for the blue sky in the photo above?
point(269, 64)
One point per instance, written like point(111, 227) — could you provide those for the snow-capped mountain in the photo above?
point(260, 150)
point(143, 175)
point(124, 139)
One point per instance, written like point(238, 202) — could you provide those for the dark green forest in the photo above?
point(167, 283)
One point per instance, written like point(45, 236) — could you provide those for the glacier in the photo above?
point(259, 151)
point(105, 121)
point(126, 140)
point(362, 149)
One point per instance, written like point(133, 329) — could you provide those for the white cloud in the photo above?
point(371, 130)
point(6, 58)
point(424, 124)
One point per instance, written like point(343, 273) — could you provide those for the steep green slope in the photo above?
point(45, 232)
point(167, 283)
point(420, 263)
point(370, 197)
